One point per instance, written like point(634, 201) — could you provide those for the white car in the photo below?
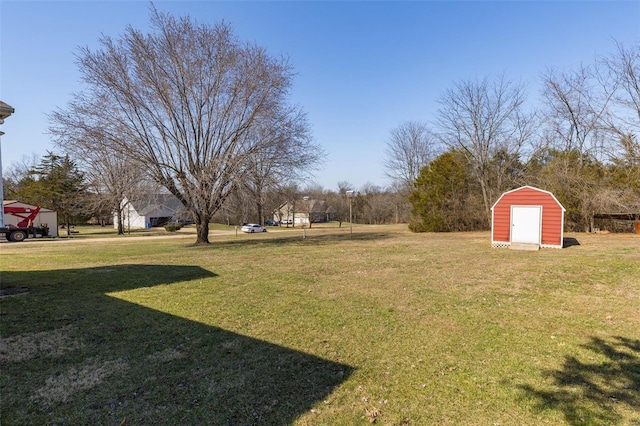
point(250, 228)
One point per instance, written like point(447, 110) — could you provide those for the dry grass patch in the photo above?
point(26, 346)
point(166, 355)
point(60, 387)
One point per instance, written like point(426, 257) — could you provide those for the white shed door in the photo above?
point(525, 224)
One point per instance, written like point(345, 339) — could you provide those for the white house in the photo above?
point(302, 211)
point(155, 210)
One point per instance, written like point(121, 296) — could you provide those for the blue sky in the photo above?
point(363, 67)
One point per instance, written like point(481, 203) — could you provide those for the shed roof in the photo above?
point(10, 202)
point(528, 187)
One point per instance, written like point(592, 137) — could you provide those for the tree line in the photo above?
point(580, 143)
point(191, 110)
point(59, 183)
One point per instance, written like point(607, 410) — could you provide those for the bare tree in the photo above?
point(623, 117)
point(17, 174)
point(290, 193)
point(623, 122)
point(486, 121)
point(624, 65)
point(378, 207)
point(400, 201)
point(290, 154)
point(574, 106)
point(112, 178)
point(183, 102)
point(339, 202)
point(410, 147)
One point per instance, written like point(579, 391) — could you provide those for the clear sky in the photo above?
point(363, 67)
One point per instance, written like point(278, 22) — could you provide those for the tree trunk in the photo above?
point(485, 196)
point(202, 230)
point(120, 220)
point(260, 213)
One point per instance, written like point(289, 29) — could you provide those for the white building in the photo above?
point(16, 212)
point(153, 211)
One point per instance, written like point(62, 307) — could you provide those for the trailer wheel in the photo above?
point(17, 236)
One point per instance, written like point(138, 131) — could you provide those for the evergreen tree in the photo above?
point(446, 197)
point(57, 184)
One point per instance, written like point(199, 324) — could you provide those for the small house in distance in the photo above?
point(154, 210)
point(527, 216)
point(303, 212)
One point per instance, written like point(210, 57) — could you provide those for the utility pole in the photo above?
point(350, 197)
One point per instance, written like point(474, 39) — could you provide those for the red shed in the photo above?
point(527, 215)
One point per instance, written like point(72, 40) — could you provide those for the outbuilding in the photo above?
point(150, 211)
point(527, 216)
point(15, 212)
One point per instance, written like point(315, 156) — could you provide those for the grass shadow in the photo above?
point(590, 393)
point(71, 354)
point(569, 241)
point(310, 239)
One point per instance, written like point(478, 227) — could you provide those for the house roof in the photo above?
point(156, 202)
point(315, 206)
point(10, 202)
point(5, 110)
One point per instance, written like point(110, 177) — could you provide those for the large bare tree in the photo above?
point(410, 147)
point(486, 120)
point(574, 104)
point(184, 103)
point(291, 155)
point(624, 66)
point(623, 121)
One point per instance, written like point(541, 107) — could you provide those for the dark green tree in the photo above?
point(446, 197)
point(57, 183)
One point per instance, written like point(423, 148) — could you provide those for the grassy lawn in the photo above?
point(388, 327)
point(97, 231)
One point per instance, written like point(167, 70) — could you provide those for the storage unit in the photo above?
point(150, 211)
point(527, 215)
point(45, 217)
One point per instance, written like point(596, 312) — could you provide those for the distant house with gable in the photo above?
point(304, 211)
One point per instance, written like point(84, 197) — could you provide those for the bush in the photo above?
point(172, 227)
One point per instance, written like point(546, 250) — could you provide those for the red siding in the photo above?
point(551, 215)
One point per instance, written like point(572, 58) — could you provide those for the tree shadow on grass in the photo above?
point(590, 393)
point(73, 352)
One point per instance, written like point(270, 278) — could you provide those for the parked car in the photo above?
point(270, 222)
point(250, 228)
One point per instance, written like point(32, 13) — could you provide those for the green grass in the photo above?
point(97, 231)
point(387, 326)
